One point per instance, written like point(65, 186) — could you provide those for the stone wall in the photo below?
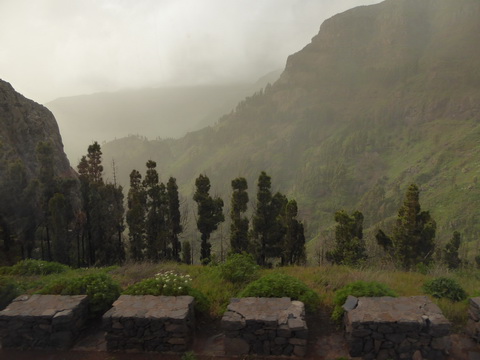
point(265, 326)
point(396, 328)
point(42, 321)
point(150, 323)
point(473, 323)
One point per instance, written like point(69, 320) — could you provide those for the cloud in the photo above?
point(53, 48)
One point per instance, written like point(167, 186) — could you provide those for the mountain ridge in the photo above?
point(384, 95)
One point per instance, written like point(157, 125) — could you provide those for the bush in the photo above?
point(443, 287)
point(35, 267)
point(358, 289)
point(102, 291)
point(169, 284)
point(282, 285)
point(8, 291)
point(239, 268)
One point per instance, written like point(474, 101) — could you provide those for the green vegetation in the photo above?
point(444, 287)
point(282, 285)
point(358, 289)
point(101, 289)
point(239, 268)
point(34, 267)
point(8, 291)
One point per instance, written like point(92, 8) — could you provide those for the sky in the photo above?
point(56, 48)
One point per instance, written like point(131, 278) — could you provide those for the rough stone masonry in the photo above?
point(396, 328)
point(265, 326)
point(43, 321)
point(150, 323)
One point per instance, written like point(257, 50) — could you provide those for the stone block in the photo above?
point(396, 326)
point(43, 321)
point(265, 326)
point(150, 323)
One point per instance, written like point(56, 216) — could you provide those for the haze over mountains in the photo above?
point(383, 96)
point(165, 112)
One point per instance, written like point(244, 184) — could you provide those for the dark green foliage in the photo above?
point(268, 229)
point(173, 218)
point(239, 225)
point(210, 215)
point(103, 209)
point(443, 287)
point(34, 267)
point(187, 252)
point(239, 268)
point(293, 245)
point(450, 253)
point(137, 206)
point(282, 285)
point(413, 238)
point(358, 289)
point(101, 289)
point(349, 243)
point(8, 291)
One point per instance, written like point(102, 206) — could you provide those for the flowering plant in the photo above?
point(166, 283)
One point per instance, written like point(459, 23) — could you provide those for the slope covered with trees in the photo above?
point(384, 96)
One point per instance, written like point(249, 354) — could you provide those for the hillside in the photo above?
point(164, 112)
point(383, 96)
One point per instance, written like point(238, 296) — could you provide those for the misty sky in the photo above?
point(55, 48)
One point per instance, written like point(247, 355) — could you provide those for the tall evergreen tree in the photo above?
point(239, 225)
point(136, 212)
point(413, 238)
point(349, 243)
point(268, 227)
point(174, 219)
point(450, 252)
point(293, 247)
point(103, 207)
point(187, 253)
point(58, 219)
point(155, 225)
point(210, 215)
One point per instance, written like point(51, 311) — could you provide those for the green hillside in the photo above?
point(383, 96)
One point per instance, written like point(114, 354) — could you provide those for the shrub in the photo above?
point(8, 291)
point(282, 285)
point(358, 289)
point(443, 287)
point(35, 267)
point(239, 268)
point(101, 289)
point(169, 284)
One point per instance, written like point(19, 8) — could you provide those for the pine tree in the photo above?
point(413, 238)
point(136, 212)
point(155, 225)
point(349, 244)
point(239, 224)
point(174, 226)
point(450, 253)
point(210, 215)
point(293, 247)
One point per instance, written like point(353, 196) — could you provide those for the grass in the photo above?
point(323, 280)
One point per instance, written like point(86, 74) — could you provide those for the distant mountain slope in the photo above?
point(167, 112)
point(383, 96)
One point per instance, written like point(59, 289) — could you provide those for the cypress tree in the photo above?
point(349, 244)
point(450, 253)
point(293, 249)
point(136, 216)
point(210, 215)
point(174, 225)
point(239, 225)
point(262, 218)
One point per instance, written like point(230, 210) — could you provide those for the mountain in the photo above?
point(165, 112)
point(383, 96)
point(24, 125)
